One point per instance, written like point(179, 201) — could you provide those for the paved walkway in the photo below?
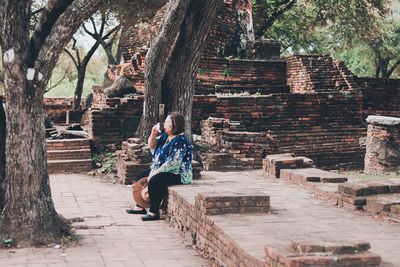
point(297, 215)
point(111, 238)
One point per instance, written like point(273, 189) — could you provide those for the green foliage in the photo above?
point(227, 72)
point(359, 32)
point(201, 71)
point(65, 69)
point(107, 159)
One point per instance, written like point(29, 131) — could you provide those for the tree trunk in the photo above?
point(2, 153)
point(156, 61)
point(28, 216)
point(178, 83)
point(79, 87)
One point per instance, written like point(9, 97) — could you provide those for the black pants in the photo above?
point(158, 187)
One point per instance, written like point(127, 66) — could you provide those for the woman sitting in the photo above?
point(172, 163)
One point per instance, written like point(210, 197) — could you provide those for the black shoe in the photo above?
point(149, 217)
point(133, 211)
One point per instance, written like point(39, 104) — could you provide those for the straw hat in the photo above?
point(141, 194)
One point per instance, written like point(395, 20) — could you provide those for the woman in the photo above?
point(172, 163)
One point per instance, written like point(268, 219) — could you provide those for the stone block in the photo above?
point(301, 176)
point(273, 164)
point(364, 189)
point(382, 203)
point(214, 203)
point(308, 254)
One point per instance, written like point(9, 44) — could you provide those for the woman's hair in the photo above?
point(178, 122)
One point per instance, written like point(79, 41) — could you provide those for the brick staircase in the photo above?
point(68, 156)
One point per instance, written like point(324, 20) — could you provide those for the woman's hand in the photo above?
point(155, 131)
point(152, 138)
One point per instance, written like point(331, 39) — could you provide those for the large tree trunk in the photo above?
point(2, 153)
point(156, 61)
point(28, 215)
point(178, 83)
point(79, 88)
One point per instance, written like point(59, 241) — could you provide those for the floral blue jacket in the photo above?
point(174, 157)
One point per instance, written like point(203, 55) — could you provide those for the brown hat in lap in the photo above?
point(141, 194)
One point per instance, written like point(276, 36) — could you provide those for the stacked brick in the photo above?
point(202, 230)
point(383, 145)
point(273, 164)
point(247, 147)
point(324, 127)
point(380, 196)
point(203, 107)
point(69, 156)
point(305, 254)
point(305, 175)
point(315, 74)
point(215, 203)
point(267, 49)
point(241, 76)
point(56, 108)
point(134, 38)
point(105, 124)
point(211, 130)
point(134, 157)
point(380, 96)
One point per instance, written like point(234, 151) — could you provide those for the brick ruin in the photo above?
point(383, 145)
point(309, 105)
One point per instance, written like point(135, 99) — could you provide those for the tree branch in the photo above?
point(283, 7)
point(65, 75)
point(72, 57)
point(393, 68)
point(47, 19)
point(61, 32)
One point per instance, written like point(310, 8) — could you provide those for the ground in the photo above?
point(110, 237)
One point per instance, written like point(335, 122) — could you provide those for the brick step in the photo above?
point(68, 154)
point(69, 166)
point(68, 144)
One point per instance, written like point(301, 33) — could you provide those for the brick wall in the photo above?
point(316, 74)
point(325, 127)
point(105, 118)
point(380, 96)
point(56, 108)
point(241, 75)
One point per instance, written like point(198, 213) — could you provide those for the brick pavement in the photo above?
point(111, 238)
point(296, 215)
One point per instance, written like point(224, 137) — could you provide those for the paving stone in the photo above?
point(294, 215)
point(112, 238)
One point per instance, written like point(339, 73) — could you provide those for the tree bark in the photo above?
point(2, 153)
point(81, 76)
point(156, 62)
point(79, 88)
point(28, 216)
point(178, 83)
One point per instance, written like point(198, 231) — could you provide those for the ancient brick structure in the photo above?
point(105, 120)
point(317, 74)
point(69, 156)
point(380, 96)
point(217, 75)
point(308, 105)
point(374, 196)
point(231, 34)
point(383, 145)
